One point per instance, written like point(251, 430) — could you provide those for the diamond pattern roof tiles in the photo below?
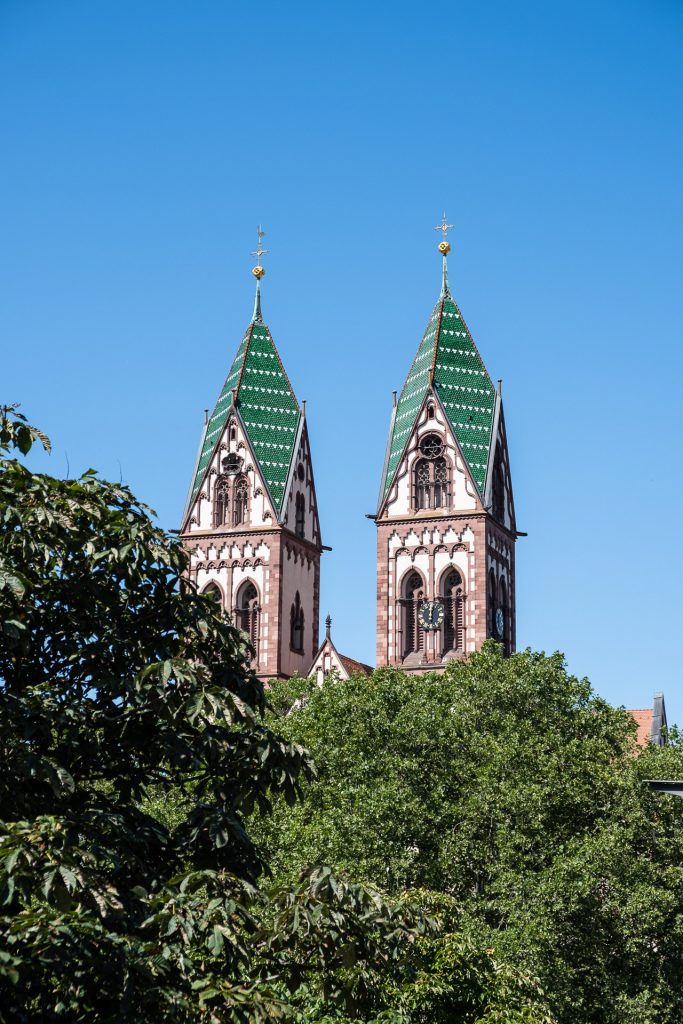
point(267, 406)
point(447, 358)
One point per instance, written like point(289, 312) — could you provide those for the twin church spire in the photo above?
point(445, 516)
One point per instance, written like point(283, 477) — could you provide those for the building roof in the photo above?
point(643, 720)
point(351, 666)
point(267, 405)
point(448, 360)
point(651, 723)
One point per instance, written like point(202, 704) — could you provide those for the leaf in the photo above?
point(11, 581)
point(69, 878)
point(11, 859)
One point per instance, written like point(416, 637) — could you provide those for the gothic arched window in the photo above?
point(296, 624)
point(240, 501)
point(492, 603)
point(221, 502)
point(412, 637)
point(453, 597)
point(440, 483)
point(505, 638)
point(214, 592)
point(300, 516)
point(431, 475)
point(422, 484)
point(247, 613)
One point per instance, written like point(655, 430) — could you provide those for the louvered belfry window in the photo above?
point(452, 595)
point(247, 612)
point(296, 640)
point(411, 634)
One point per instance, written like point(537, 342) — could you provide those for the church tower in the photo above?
point(445, 520)
point(251, 518)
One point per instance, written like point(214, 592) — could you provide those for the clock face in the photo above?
point(500, 622)
point(431, 614)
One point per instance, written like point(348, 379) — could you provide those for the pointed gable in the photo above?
point(498, 495)
point(328, 660)
point(301, 485)
point(267, 406)
point(447, 359)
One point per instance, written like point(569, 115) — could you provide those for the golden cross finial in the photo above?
point(258, 270)
point(443, 227)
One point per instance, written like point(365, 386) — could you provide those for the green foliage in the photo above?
point(133, 750)
point(509, 786)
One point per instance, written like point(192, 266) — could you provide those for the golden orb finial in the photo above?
point(444, 248)
point(258, 272)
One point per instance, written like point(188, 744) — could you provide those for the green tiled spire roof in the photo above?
point(267, 405)
point(447, 359)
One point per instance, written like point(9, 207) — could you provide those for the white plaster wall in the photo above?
point(217, 562)
point(463, 493)
point(404, 555)
point(219, 576)
point(327, 661)
point(261, 513)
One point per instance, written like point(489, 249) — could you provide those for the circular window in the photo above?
point(431, 446)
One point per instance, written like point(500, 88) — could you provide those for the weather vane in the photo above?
point(258, 270)
point(444, 227)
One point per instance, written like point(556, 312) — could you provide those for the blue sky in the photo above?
point(142, 143)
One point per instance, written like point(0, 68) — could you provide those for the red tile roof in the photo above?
point(352, 666)
point(643, 720)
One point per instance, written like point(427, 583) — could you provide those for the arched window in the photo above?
point(431, 475)
point(247, 613)
point(505, 638)
point(214, 592)
point(296, 625)
point(492, 603)
point(412, 637)
point(422, 485)
point(453, 597)
point(440, 483)
point(221, 502)
point(300, 519)
point(241, 501)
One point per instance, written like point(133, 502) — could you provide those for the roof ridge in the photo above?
point(244, 357)
point(442, 299)
point(400, 393)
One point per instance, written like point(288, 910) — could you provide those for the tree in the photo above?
point(510, 787)
point(133, 749)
